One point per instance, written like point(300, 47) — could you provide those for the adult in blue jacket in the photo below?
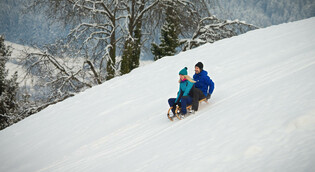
point(184, 95)
point(203, 81)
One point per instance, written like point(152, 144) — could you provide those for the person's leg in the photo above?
point(195, 102)
point(171, 102)
point(198, 95)
point(185, 101)
point(195, 98)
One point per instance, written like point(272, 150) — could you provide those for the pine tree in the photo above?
point(131, 55)
point(126, 63)
point(8, 88)
point(132, 47)
point(169, 34)
point(4, 53)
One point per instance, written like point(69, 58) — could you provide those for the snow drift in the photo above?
point(261, 116)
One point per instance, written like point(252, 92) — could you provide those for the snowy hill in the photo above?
point(261, 116)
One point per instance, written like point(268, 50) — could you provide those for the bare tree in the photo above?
point(105, 31)
point(211, 29)
point(94, 34)
point(55, 79)
point(135, 11)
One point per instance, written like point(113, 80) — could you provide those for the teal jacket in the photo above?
point(184, 89)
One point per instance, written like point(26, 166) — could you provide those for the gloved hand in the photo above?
point(208, 96)
point(174, 106)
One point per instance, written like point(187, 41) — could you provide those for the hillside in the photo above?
point(265, 13)
point(261, 116)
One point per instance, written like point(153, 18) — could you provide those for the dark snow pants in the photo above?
point(184, 102)
point(197, 95)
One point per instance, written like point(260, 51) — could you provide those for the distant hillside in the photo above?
point(265, 13)
point(26, 28)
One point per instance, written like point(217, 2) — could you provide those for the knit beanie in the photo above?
point(183, 71)
point(200, 65)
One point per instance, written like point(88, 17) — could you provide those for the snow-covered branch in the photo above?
point(55, 73)
point(211, 29)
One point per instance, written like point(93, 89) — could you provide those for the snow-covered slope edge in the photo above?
point(261, 116)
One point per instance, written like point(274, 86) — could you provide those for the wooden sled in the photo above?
point(177, 111)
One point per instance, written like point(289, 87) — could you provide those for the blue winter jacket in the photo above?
point(203, 82)
point(184, 89)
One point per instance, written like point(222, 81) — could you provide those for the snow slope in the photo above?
point(261, 116)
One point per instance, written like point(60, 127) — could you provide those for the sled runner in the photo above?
point(177, 111)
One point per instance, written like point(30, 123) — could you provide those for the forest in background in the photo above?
point(21, 27)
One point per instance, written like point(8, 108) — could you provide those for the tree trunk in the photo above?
point(110, 67)
point(132, 47)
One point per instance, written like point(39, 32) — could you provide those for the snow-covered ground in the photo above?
point(261, 116)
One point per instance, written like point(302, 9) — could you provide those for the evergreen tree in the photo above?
point(169, 34)
point(132, 47)
point(8, 88)
point(4, 53)
point(128, 55)
point(131, 56)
